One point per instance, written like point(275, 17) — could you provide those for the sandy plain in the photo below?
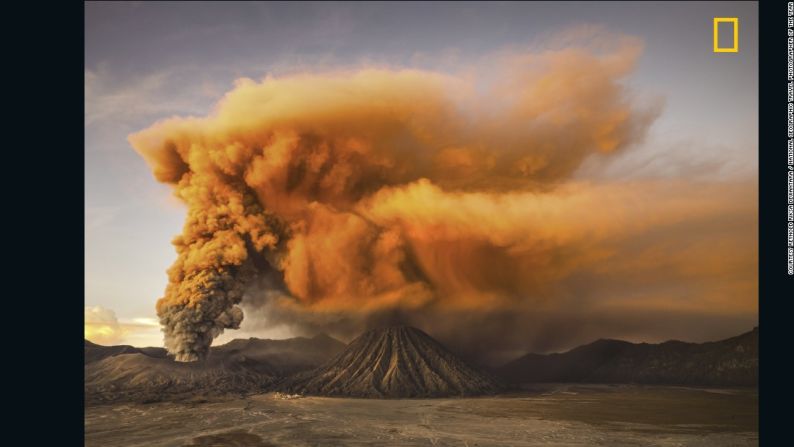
point(540, 415)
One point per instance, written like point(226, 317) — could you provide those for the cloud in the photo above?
point(99, 216)
point(102, 327)
point(113, 98)
point(670, 158)
point(353, 198)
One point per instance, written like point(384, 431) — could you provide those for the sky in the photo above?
point(145, 62)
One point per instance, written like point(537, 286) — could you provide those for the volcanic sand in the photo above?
point(545, 415)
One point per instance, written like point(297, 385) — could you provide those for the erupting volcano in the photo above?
point(360, 193)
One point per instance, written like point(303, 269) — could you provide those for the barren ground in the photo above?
point(545, 415)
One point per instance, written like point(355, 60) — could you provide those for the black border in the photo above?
point(775, 290)
point(46, 71)
point(44, 219)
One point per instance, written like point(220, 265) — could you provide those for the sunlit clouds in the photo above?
point(336, 201)
point(103, 328)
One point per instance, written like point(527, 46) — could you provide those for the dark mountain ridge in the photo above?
point(126, 373)
point(401, 362)
point(729, 362)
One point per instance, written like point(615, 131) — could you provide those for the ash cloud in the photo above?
point(342, 200)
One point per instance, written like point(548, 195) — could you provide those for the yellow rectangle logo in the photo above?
point(735, 47)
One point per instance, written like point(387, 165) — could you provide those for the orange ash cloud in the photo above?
point(379, 189)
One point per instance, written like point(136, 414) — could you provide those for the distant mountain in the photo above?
point(95, 352)
point(394, 362)
point(140, 378)
point(126, 373)
point(730, 362)
point(401, 362)
point(284, 356)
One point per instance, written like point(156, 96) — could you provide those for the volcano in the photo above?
point(394, 362)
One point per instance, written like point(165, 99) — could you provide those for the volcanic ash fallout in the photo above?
point(362, 192)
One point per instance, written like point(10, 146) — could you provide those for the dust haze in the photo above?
point(344, 200)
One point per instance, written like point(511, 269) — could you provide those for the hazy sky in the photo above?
point(149, 61)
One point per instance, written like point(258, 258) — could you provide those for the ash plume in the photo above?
point(330, 199)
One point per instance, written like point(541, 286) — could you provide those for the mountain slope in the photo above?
point(393, 362)
point(139, 378)
point(284, 356)
point(730, 362)
point(126, 373)
point(94, 352)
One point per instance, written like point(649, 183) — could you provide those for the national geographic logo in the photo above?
point(729, 20)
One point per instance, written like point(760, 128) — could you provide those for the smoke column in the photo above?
point(375, 190)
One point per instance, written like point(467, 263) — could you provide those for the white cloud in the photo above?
point(117, 100)
point(99, 216)
point(104, 328)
